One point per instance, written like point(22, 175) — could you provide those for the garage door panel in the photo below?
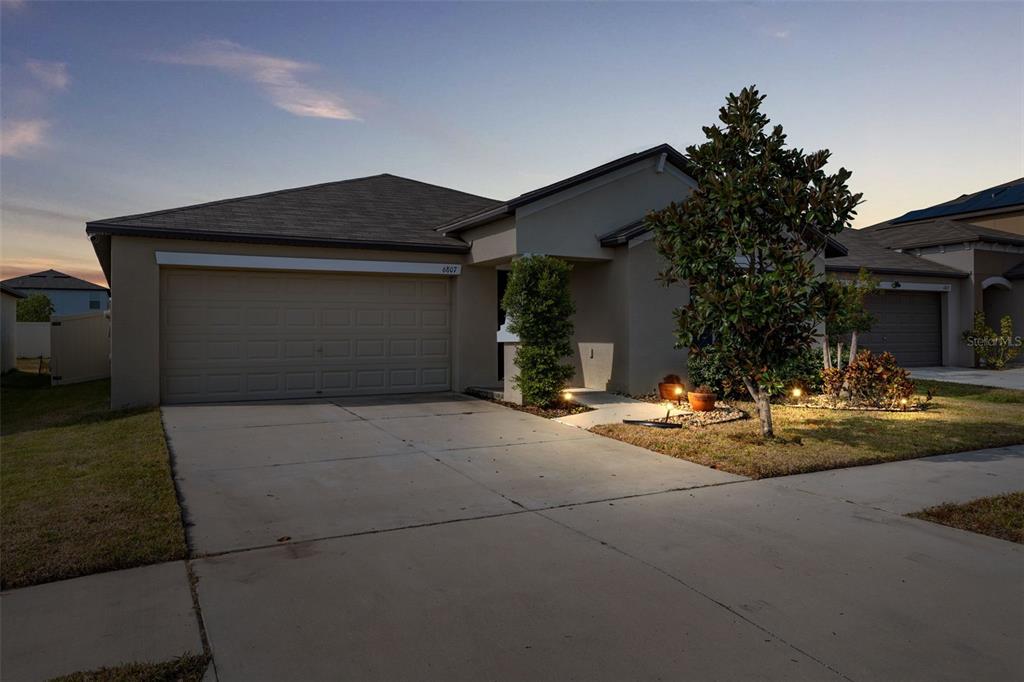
point(907, 324)
point(236, 335)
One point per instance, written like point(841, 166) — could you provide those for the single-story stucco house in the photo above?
point(69, 295)
point(8, 323)
point(382, 285)
point(937, 267)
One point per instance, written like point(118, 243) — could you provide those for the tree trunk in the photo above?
point(853, 345)
point(839, 355)
point(826, 352)
point(764, 407)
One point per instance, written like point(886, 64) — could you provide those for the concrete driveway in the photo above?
point(1004, 378)
point(443, 537)
point(256, 475)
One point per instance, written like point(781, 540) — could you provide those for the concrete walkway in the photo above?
point(139, 614)
point(610, 408)
point(1005, 378)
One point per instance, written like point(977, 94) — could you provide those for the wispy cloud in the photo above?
point(278, 77)
point(20, 137)
point(40, 212)
point(776, 32)
point(51, 74)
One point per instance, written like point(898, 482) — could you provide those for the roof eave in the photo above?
point(829, 267)
point(100, 228)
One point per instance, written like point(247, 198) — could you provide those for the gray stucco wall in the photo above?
point(135, 315)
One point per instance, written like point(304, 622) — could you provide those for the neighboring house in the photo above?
point(938, 266)
point(8, 316)
point(69, 295)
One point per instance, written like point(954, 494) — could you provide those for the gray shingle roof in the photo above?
point(11, 292)
point(51, 279)
point(993, 199)
point(937, 233)
point(377, 211)
point(864, 251)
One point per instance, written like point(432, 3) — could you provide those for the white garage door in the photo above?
point(243, 335)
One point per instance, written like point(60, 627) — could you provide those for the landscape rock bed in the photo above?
point(720, 415)
point(820, 402)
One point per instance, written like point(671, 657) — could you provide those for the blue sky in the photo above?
point(117, 108)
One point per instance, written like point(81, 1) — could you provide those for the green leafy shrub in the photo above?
point(994, 350)
point(35, 308)
point(874, 381)
point(803, 369)
point(540, 312)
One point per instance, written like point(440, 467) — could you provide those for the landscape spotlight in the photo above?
point(567, 396)
point(797, 392)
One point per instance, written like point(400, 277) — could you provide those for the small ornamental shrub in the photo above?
point(704, 389)
point(994, 350)
point(540, 312)
point(873, 381)
point(832, 380)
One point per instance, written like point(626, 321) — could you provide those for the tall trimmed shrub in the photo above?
point(540, 310)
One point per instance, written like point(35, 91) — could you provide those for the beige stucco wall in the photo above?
point(1011, 222)
point(8, 320)
point(568, 224)
point(135, 320)
point(492, 243)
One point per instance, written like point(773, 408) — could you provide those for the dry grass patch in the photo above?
point(958, 418)
point(84, 489)
point(188, 668)
point(1001, 516)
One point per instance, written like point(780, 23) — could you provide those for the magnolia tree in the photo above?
point(745, 242)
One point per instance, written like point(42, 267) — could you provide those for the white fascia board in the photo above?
point(896, 285)
point(237, 262)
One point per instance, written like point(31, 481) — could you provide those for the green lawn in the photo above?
point(1001, 516)
point(188, 668)
point(958, 418)
point(83, 489)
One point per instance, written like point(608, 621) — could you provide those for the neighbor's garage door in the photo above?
point(243, 335)
point(908, 324)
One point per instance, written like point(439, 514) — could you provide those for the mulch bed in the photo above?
point(546, 412)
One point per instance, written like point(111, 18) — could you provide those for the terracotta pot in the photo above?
point(701, 402)
point(671, 391)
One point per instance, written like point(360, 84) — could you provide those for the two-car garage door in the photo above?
point(252, 335)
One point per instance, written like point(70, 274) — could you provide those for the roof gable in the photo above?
point(509, 207)
point(52, 280)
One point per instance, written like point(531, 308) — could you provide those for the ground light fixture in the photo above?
point(567, 396)
point(679, 395)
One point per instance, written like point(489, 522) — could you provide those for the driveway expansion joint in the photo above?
point(700, 593)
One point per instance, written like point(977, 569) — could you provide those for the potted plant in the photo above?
point(702, 399)
point(671, 387)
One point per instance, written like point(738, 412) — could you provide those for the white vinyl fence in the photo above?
point(32, 339)
point(79, 347)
